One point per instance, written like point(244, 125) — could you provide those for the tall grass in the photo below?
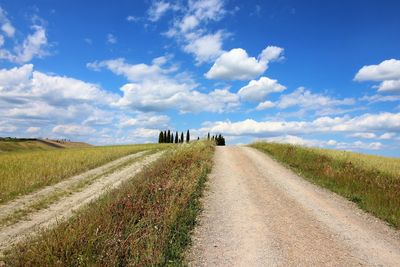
point(363, 179)
point(146, 222)
point(25, 171)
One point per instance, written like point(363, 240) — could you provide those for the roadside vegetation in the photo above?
point(26, 171)
point(145, 222)
point(373, 182)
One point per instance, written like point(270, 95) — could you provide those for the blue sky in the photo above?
point(319, 73)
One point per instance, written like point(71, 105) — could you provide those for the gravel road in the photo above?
point(258, 213)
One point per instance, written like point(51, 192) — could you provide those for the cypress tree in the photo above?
point(168, 137)
point(208, 136)
point(182, 137)
point(160, 137)
point(187, 136)
point(198, 138)
point(176, 137)
point(165, 137)
point(172, 138)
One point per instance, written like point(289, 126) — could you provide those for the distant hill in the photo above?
point(18, 144)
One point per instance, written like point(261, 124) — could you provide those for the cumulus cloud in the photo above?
point(190, 31)
point(256, 90)
point(236, 64)
point(204, 47)
point(385, 121)
point(157, 87)
point(387, 72)
point(265, 105)
point(304, 98)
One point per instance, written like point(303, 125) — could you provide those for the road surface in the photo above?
point(258, 213)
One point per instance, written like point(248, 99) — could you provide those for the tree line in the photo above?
point(219, 139)
point(167, 136)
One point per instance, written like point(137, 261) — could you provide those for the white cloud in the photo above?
point(73, 129)
point(306, 99)
point(381, 98)
point(132, 18)
point(364, 135)
point(33, 129)
point(389, 86)
point(387, 136)
point(237, 65)
point(133, 72)
point(265, 105)
point(111, 39)
point(190, 31)
point(158, 9)
point(145, 120)
point(34, 45)
point(387, 72)
point(385, 121)
point(5, 24)
point(256, 90)
point(156, 87)
point(7, 128)
point(205, 47)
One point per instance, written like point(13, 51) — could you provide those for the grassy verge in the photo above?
point(145, 222)
point(375, 187)
point(27, 171)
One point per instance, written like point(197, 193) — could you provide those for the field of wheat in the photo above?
point(22, 172)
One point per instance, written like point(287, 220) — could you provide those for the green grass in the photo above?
point(372, 182)
point(26, 171)
point(146, 222)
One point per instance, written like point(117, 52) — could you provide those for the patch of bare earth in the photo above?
point(258, 213)
point(65, 207)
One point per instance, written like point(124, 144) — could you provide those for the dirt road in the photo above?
point(67, 204)
point(258, 213)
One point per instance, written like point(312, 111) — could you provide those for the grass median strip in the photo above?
point(372, 182)
point(145, 222)
point(26, 171)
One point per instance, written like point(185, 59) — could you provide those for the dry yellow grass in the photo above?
point(25, 171)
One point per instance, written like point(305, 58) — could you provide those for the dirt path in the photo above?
point(20, 203)
point(65, 207)
point(258, 213)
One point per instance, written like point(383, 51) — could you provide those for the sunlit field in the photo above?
point(25, 171)
point(145, 222)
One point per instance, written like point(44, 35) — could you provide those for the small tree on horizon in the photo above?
point(208, 136)
point(187, 136)
point(182, 138)
point(176, 137)
point(172, 138)
point(161, 137)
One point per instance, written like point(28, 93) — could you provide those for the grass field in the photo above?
point(8, 145)
point(372, 182)
point(146, 222)
point(25, 171)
